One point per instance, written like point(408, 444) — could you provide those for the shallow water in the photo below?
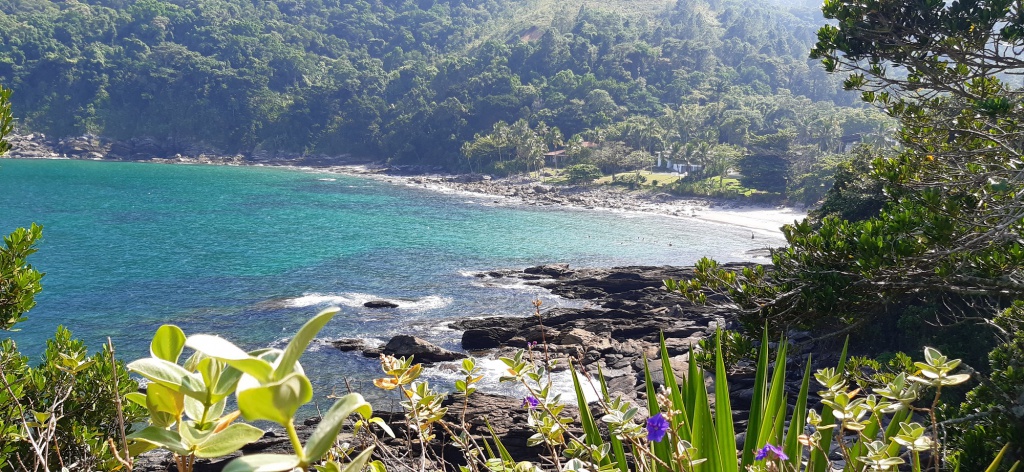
point(250, 253)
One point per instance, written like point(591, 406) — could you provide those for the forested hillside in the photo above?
point(415, 81)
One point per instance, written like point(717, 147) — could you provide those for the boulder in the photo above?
point(404, 345)
point(349, 344)
point(380, 304)
point(587, 340)
point(486, 338)
point(551, 270)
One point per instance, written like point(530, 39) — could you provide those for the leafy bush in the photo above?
point(19, 282)
point(186, 403)
point(736, 347)
point(582, 173)
point(632, 180)
point(682, 433)
point(61, 413)
point(996, 407)
point(5, 119)
point(504, 168)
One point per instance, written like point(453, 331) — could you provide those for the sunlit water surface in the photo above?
point(250, 253)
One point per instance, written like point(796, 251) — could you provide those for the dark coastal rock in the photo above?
point(507, 417)
point(380, 304)
point(349, 344)
point(552, 270)
point(405, 346)
point(486, 338)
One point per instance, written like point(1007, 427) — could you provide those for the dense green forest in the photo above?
point(416, 81)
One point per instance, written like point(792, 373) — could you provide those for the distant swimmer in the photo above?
point(751, 235)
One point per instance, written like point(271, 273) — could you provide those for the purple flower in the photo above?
point(770, 450)
point(531, 344)
point(531, 402)
point(657, 426)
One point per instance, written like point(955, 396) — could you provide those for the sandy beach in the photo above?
point(521, 190)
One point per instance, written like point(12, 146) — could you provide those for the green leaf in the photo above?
point(723, 412)
point(194, 409)
point(383, 426)
point(818, 461)
point(160, 437)
point(263, 463)
point(227, 381)
point(229, 440)
point(137, 398)
point(191, 435)
point(167, 343)
point(703, 433)
point(160, 371)
point(164, 405)
point(793, 449)
point(203, 413)
point(138, 447)
point(359, 462)
point(219, 377)
point(276, 401)
point(999, 459)
point(679, 404)
point(775, 407)
point(220, 348)
point(618, 451)
point(300, 341)
point(757, 403)
point(327, 431)
point(502, 451)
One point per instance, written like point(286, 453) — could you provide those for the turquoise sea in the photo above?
point(250, 253)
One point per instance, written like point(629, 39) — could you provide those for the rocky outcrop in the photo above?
point(405, 346)
point(633, 310)
point(35, 145)
point(348, 344)
point(162, 150)
point(380, 304)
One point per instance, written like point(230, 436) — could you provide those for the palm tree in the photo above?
point(501, 132)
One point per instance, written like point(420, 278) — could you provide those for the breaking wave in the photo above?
point(355, 300)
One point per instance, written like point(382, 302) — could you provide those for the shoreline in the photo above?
point(527, 191)
point(765, 220)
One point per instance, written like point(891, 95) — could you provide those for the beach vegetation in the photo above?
point(186, 402)
point(6, 119)
point(63, 413)
point(582, 173)
point(912, 246)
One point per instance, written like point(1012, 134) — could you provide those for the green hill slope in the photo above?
point(413, 81)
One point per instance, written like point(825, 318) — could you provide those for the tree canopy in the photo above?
point(931, 234)
point(6, 119)
point(414, 81)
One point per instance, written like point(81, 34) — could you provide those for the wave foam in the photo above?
point(356, 300)
point(492, 369)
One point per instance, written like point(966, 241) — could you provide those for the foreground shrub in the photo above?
point(993, 412)
point(873, 431)
point(61, 413)
point(186, 403)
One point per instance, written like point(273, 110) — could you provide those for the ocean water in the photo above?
point(250, 253)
